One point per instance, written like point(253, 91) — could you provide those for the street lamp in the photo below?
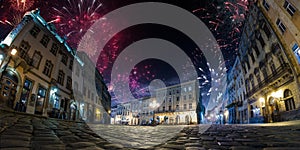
point(154, 105)
point(12, 53)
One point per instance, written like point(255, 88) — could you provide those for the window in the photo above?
point(190, 96)
point(164, 108)
point(24, 47)
point(41, 95)
point(35, 31)
point(266, 5)
point(296, 51)
point(54, 49)
point(26, 91)
point(190, 88)
point(251, 81)
point(177, 107)
point(64, 58)
point(60, 78)
point(272, 66)
point(264, 71)
point(170, 108)
point(190, 105)
point(258, 77)
point(280, 25)
point(289, 100)
point(184, 97)
point(170, 99)
point(45, 40)
point(71, 64)
point(36, 59)
point(177, 98)
point(280, 58)
point(69, 83)
point(289, 7)
point(184, 106)
point(261, 40)
point(48, 68)
point(266, 30)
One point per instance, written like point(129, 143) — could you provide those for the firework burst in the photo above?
point(22, 5)
point(75, 17)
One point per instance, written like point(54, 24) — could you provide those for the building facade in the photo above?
point(91, 95)
point(237, 106)
point(268, 67)
point(39, 78)
point(283, 17)
point(175, 104)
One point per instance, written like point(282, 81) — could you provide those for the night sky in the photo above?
point(73, 18)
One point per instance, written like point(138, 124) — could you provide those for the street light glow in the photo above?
point(13, 52)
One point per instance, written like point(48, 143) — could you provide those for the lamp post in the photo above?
point(12, 53)
point(154, 105)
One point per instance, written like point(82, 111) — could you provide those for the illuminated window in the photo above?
point(296, 51)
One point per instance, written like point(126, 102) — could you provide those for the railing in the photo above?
point(275, 75)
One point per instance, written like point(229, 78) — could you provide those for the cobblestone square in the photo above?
point(23, 131)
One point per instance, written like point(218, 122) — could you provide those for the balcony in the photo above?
point(280, 71)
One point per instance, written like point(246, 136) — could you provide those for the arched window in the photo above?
point(289, 100)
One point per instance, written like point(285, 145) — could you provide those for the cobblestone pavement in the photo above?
point(139, 136)
point(273, 136)
point(23, 131)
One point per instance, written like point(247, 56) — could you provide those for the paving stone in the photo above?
point(173, 146)
point(7, 143)
point(242, 148)
point(81, 144)
point(195, 148)
point(118, 146)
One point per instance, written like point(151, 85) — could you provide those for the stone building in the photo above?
point(178, 103)
point(283, 17)
point(91, 96)
point(39, 79)
point(237, 106)
point(171, 105)
point(270, 80)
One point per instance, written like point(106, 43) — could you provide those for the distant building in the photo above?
point(171, 105)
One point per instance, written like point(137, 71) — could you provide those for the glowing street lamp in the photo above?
point(154, 105)
point(12, 53)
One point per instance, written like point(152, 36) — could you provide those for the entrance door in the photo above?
point(40, 100)
point(8, 88)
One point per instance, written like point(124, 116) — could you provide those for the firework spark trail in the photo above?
point(75, 18)
point(21, 5)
